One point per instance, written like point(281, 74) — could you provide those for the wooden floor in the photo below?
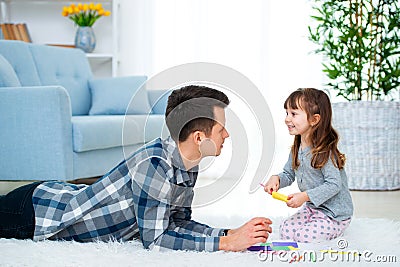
point(377, 204)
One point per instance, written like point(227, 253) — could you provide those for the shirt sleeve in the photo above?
point(180, 221)
point(161, 225)
point(329, 188)
point(287, 176)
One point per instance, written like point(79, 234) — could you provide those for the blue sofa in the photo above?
point(59, 123)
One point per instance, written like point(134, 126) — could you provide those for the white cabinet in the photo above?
point(46, 25)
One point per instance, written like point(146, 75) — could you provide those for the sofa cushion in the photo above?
point(66, 67)
point(19, 56)
point(112, 96)
point(8, 78)
point(100, 132)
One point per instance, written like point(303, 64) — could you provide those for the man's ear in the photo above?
point(198, 137)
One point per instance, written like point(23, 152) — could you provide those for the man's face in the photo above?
point(212, 145)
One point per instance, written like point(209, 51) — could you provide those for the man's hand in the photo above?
point(272, 185)
point(297, 199)
point(254, 231)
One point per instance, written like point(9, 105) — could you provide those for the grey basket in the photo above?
point(370, 138)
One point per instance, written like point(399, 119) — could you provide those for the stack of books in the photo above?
point(15, 31)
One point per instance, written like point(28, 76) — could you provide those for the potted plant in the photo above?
point(84, 16)
point(360, 42)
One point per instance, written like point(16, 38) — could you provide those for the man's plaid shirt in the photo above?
point(147, 196)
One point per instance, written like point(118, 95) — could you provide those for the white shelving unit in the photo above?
point(46, 25)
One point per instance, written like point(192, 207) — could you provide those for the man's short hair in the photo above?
point(191, 108)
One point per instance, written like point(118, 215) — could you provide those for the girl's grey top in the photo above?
point(327, 187)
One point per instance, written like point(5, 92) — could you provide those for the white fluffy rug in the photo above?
point(379, 239)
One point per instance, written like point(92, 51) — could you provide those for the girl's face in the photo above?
point(297, 122)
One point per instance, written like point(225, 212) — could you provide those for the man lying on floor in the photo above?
point(148, 196)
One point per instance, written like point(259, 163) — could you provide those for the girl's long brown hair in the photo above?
point(323, 137)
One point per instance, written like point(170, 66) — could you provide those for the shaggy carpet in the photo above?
point(377, 240)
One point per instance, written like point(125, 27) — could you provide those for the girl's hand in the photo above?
point(297, 199)
point(272, 185)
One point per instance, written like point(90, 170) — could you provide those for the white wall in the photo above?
point(264, 40)
point(46, 25)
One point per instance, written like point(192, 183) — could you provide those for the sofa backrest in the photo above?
point(8, 77)
point(20, 58)
point(37, 65)
point(66, 67)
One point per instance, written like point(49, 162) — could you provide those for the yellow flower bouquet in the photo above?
point(84, 14)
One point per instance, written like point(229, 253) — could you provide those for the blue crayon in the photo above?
point(259, 248)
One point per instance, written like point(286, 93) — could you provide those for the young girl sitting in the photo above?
point(318, 166)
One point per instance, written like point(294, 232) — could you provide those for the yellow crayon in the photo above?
point(279, 196)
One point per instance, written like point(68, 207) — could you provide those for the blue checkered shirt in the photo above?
point(148, 196)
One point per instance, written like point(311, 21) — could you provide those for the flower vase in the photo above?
point(85, 39)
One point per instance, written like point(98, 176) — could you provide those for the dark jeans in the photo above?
point(17, 217)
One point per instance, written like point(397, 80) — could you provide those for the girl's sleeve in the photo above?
point(329, 188)
point(287, 176)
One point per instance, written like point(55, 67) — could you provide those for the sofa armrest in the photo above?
point(36, 133)
point(158, 100)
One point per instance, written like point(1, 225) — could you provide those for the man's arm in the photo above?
point(153, 199)
point(255, 231)
point(153, 202)
point(182, 222)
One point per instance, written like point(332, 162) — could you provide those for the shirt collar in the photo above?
point(174, 156)
point(304, 150)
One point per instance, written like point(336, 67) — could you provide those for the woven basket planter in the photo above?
point(370, 138)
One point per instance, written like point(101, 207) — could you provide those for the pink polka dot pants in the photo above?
point(311, 226)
